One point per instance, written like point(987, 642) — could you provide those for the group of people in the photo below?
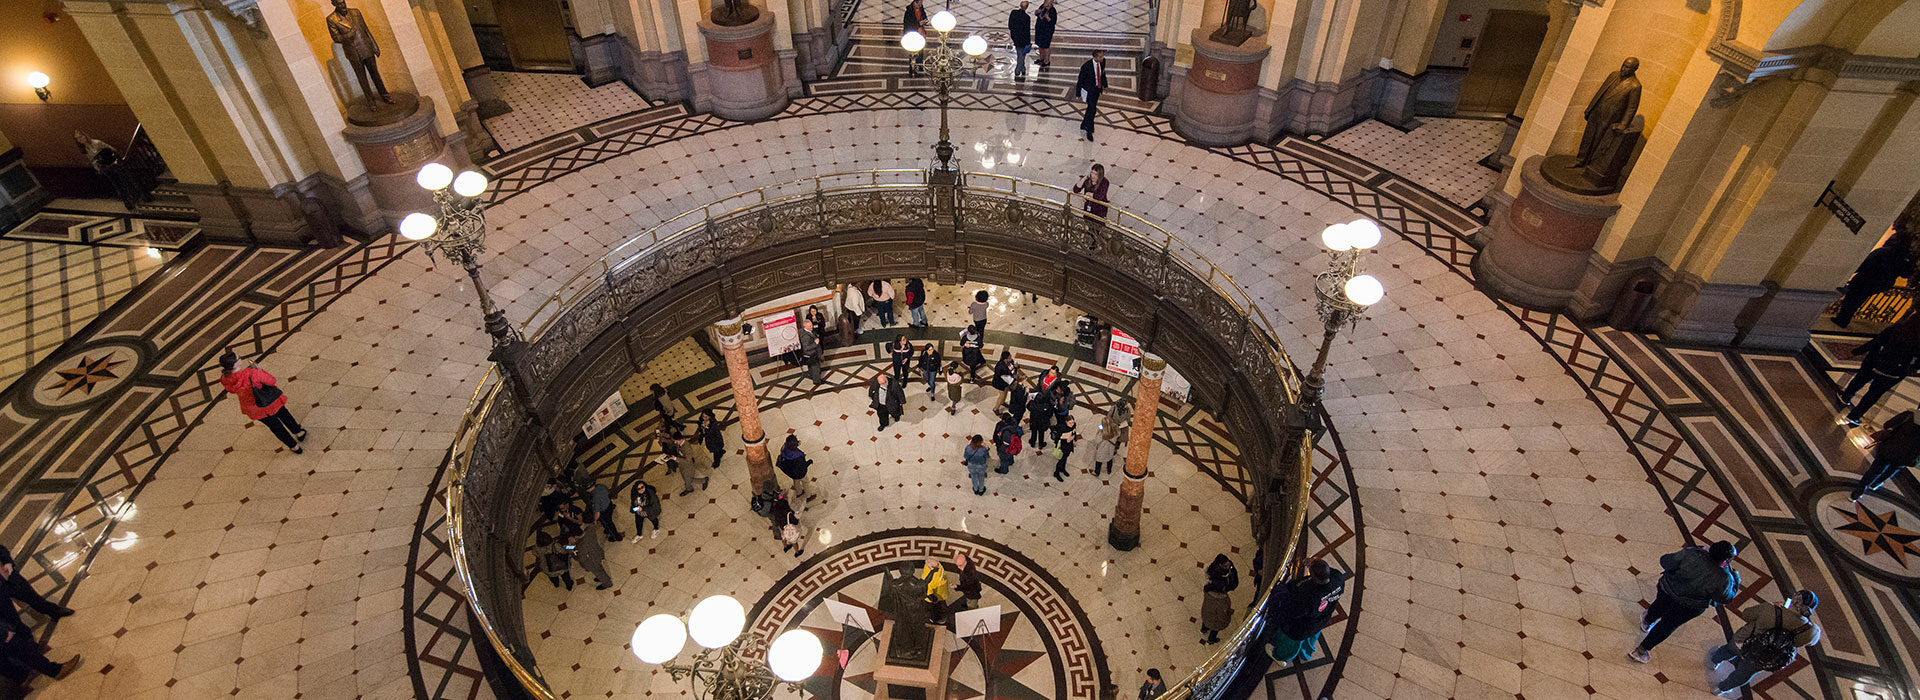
point(1029, 32)
point(1696, 579)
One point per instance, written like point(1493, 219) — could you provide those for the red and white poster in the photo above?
point(1123, 352)
point(782, 333)
point(609, 411)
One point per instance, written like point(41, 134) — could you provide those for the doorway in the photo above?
point(1501, 62)
point(533, 34)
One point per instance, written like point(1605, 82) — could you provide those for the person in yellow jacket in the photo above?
point(936, 579)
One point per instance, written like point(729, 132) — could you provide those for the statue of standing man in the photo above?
point(1610, 114)
point(349, 29)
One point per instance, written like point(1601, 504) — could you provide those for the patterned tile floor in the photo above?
point(1441, 155)
point(1087, 16)
point(1517, 481)
point(545, 104)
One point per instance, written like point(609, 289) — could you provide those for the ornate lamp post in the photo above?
point(943, 63)
point(727, 666)
point(458, 232)
point(1343, 293)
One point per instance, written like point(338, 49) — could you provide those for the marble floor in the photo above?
point(1442, 155)
point(545, 104)
point(1516, 475)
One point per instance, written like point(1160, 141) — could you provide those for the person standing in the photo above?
point(1092, 82)
point(810, 350)
point(1154, 687)
point(1063, 449)
point(792, 537)
point(916, 303)
point(882, 293)
point(663, 405)
point(779, 510)
point(978, 311)
point(1006, 440)
point(1039, 416)
point(915, 20)
point(1307, 607)
point(1886, 264)
point(1044, 20)
point(555, 560)
point(1896, 446)
point(673, 450)
point(886, 399)
point(1062, 397)
point(975, 457)
point(794, 463)
point(817, 318)
point(1770, 640)
point(593, 556)
point(1889, 357)
point(1106, 445)
point(602, 502)
point(1691, 580)
point(1017, 395)
point(1003, 371)
point(930, 367)
point(970, 351)
point(953, 388)
point(261, 399)
point(902, 352)
point(1020, 29)
point(966, 581)
point(713, 437)
point(1216, 608)
point(1094, 186)
point(645, 507)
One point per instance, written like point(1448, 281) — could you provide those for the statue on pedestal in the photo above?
point(349, 29)
point(733, 13)
point(1237, 28)
point(1612, 131)
point(902, 599)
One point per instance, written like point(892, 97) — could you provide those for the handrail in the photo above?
point(697, 220)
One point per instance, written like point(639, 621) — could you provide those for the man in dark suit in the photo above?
point(1020, 27)
point(886, 399)
point(1093, 81)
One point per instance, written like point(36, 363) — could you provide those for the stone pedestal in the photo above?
point(1218, 100)
point(744, 83)
point(1536, 252)
point(393, 153)
point(930, 681)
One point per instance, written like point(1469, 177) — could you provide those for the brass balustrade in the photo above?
point(885, 186)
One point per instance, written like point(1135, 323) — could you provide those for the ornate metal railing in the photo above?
point(483, 456)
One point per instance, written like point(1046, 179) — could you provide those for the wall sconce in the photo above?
point(39, 81)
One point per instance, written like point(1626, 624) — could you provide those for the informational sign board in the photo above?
point(976, 622)
point(1831, 199)
point(1174, 386)
point(609, 411)
point(1122, 353)
point(783, 333)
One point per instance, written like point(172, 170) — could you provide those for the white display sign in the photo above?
point(1174, 386)
point(783, 333)
point(609, 411)
point(1122, 354)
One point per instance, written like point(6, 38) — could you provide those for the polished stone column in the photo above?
point(1124, 532)
point(732, 345)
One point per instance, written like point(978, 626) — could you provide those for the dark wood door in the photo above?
point(1501, 61)
point(536, 34)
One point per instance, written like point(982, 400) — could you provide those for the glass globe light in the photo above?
point(716, 621)
point(943, 21)
point(659, 638)
point(38, 80)
point(794, 655)
point(470, 184)
point(913, 42)
point(1335, 237)
point(1363, 234)
point(1364, 290)
point(434, 176)
point(418, 226)
point(974, 45)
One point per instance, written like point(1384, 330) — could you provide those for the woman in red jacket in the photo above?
point(253, 385)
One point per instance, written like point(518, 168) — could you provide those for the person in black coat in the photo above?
point(1039, 416)
point(1895, 447)
point(1890, 357)
point(1306, 606)
point(915, 20)
point(1093, 81)
point(1044, 20)
point(1216, 609)
point(886, 398)
point(1887, 263)
point(1020, 28)
point(902, 352)
point(967, 581)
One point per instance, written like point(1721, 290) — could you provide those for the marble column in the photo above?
point(733, 346)
point(1124, 532)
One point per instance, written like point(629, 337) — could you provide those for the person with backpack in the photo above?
point(1896, 446)
point(1691, 580)
point(1770, 640)
point(554, 560)
point(1307, 606)
point(261, 399)
point(794, 463)
point(916, 303)
point(1006, 440)
point(645, 507)
point(975, 457)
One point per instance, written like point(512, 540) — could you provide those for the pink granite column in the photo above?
point(1124, 532)
point(746, 402)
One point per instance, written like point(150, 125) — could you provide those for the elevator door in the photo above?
point(536, 34)
point(1501, 62)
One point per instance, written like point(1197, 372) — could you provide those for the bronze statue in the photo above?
point(349, 29)
point(733, 13)
point(1233, 30)
point(1611, 113)
point(902, 599)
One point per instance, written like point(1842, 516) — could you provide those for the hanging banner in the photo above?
point(783, 334)
point(1123, 353)
point(609, 411)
